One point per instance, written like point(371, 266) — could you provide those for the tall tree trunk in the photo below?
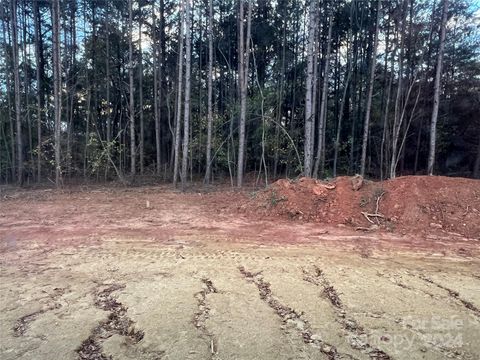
point(67, 66)
point(424, 84)
point(315, 84)
point(243, 78)
point(397, 121)
point(476, 168)
point(89, 95)
point(131, 90)
point(353, 105)
point(26, 82)
point(340, 116)
point(57, 82)
point(208, 171)
point(107, 78)
point(436, 90)
point(385, 128)
point(179, 95)
point(368, 107)
point(240, 68)
point(199, 142)
point(186, 119)
point(96, 126)
point(280, 97)
point(72, 84)
point(323, 103)
point(162, 87)
point(309, 129)
point(156, 108)
point(5, 26)
point(87, 132)
point(16, 74)
point(140, 96)
point(38, 63)
point(387, 90)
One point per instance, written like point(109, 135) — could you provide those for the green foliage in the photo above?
point(364, 201)
point(276, 85)
point(100, 153)
point(274, 199)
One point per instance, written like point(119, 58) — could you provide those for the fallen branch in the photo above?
point(379, 197)
point(329, 186)
point(362, 228)
point(367, 216)
point(374, 215)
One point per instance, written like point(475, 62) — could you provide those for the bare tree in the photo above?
point(244, 57)
point(436, 89)
point(373, 62)
point(140, 94)
point(57, 82)
point(36, 18)
point(16, 81)
point(281, 91)
point(208, 171)
point(385, 128)
point(398, 115)
point(6, 43)
point(309, 127)
point(340, 114)
point(131, 90)
point(156, 90)
point(107, 78)
point(179, 96)
point(71, 82)
point(89, 93)
point(323, 103)
point(186, 115)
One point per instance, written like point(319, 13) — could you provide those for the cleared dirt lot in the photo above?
point(148, 273)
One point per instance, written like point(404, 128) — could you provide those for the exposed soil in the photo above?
point(406, 204)
point(151, 273)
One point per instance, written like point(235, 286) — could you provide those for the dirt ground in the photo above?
point(150, 273)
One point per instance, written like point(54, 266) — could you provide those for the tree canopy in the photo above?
point(105, 89)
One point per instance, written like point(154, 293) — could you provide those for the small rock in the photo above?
point(356, 342)
point(436, 226)
point(327, 349)
point(318, 190)
point(357, 182)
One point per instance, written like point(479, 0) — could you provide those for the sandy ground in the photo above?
point(149, 273)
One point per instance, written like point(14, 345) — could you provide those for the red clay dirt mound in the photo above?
point(410, 203)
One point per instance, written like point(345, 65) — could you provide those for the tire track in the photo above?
point(117, 323)
point(393, 280)
point(200, 317)
point(22, 324)
point(356, 331)
point(290, 316)
point(453, 294)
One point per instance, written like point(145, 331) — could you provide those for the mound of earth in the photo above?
point(410, 203)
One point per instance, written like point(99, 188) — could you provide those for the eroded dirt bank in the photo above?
point(148, 273)
point(414, 204)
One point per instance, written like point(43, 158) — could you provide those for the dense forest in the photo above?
point(211, 90)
